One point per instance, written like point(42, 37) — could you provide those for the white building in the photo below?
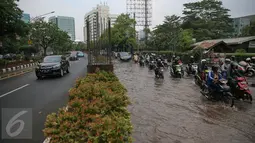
point(98, 28)
point(113, 18)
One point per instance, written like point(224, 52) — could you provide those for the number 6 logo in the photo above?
point(14, 121)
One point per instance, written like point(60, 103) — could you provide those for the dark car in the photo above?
point(54, 65)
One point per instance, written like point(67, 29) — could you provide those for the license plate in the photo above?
point(44, 71)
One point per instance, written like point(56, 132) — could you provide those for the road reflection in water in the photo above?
point(173, 111)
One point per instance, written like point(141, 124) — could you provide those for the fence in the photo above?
point(98, 38)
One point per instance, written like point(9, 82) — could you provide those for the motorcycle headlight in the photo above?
point(56, 66)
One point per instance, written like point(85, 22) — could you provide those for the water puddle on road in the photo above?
point(173, 110)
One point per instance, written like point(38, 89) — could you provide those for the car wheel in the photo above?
point(61, 73)
point(67, 70)
point(39, 77)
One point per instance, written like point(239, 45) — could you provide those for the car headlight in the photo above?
point(56, 66)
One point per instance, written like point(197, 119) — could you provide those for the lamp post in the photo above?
point(41, 16)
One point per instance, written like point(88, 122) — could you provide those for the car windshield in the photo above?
point(123, 54)
point(52, 59)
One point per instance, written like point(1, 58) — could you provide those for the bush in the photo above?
point(97, 113)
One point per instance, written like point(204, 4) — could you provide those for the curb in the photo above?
point(13, 74)
point(12, 69)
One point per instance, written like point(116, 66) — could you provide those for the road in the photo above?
point(173, 110)
point(42, 96)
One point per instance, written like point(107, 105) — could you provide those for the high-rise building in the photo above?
point(95, 28)
point(25, 17)
point(241, 22)
point(65, 23)
point(113, 18)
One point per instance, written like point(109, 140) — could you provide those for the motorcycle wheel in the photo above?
point(228, 99)
point(250, 98)
point(250, 73)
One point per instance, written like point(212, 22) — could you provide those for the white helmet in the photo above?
point(203, 60)
point(248, 59)
point(227, 60)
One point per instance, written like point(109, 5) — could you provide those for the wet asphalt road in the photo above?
point(42, 96)
point(173, 111)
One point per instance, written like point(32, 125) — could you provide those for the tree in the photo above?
point(208, 19)
point(249, 30)
point(10, 18)
point(166, 35)
point(185, 40)
point(123, 32)
point(47, 35)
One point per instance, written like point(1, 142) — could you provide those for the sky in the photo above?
point(161, 8)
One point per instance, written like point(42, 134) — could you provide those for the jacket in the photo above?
point(211, 77)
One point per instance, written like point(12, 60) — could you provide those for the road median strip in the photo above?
point(15, 73)
point(96, 112)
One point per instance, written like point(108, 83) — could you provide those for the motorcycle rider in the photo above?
point(233, 59)
point(191, 62)
point(213, 79)
point(159, 65)
point(202, 66)
point(232, 74)
point(248, 61)
point(225, 66)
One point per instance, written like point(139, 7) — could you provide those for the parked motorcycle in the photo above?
point(192, 69)
point(224, 93)
point(241, 90)
point(177, 72)
point(159, 72)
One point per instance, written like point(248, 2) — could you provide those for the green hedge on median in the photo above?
point(97, 113)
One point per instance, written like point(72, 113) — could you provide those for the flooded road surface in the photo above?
point(173, 111)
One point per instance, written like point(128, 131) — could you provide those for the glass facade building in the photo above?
point(66, 24)
point(240, 22)
point(26, 17)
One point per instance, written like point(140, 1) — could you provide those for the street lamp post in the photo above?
point(41, 16)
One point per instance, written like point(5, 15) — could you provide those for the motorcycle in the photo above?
point(165, 63)
point(152, 65)
point(241, 90)
point(178, 71)
point(249, 71)
point(142, 63)
point(192, 69)
point(223, 94)
point(159, 72)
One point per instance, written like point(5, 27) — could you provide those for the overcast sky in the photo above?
point(161, 8)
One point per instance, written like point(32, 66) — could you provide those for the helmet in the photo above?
point(191, 57)
point(215, 67)
point(248, 59)
point(233, 58)
point(173, 56)
point(253, 58)
point(203, 60)
point(227, 60)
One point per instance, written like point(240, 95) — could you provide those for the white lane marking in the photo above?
point(14, 90)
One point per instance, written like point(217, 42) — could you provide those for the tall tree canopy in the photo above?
point(208, 19)
point(170, 35)
point(123, 32)
point(47, 35)
point(10, 18)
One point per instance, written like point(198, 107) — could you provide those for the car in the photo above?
point(73, 57)
point(125, 56)
point(1, 56)
point(80, 54)
point(54, 65)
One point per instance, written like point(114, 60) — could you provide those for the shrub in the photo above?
point(97, 113)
